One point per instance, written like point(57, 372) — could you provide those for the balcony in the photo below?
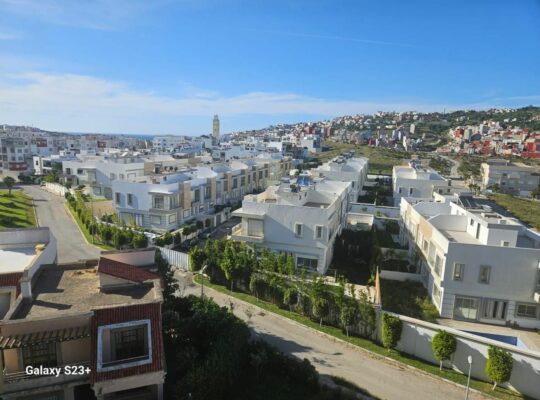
point(237, 233)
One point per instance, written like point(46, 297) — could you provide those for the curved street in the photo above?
point(52, 213)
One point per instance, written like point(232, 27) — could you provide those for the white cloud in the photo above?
point(95, 14)
point(85, 103)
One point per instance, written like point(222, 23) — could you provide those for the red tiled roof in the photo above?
point(125, 271)
point(11, 280)
point(107, 316)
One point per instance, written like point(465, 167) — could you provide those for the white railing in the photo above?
point(175, 258)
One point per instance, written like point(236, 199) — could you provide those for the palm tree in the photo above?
point(9, 182)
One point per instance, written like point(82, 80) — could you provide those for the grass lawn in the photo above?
point(16, 211)
point(408, 298)
point(381, 160)
point(96, 242)
point(526, 210)
point(433, 369)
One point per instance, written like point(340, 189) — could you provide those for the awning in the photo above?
point(28, 339)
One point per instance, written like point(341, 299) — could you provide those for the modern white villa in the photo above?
point(476, 264)
point(346, 169)
point(301, 217)
point(419, 182)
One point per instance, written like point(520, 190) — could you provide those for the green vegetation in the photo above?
point(16, 210)
point(210, 357)
point(368, 344)
point(527, 211)
point(391, 330)
point(441, 165)
point(353, 253)
point(377, 194)
point(408, 298)
point(499, 365)
point(104, 235)
point(443, 345)
point(381, 160)
point(470, 166)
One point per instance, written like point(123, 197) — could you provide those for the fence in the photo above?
point(175, 258)
point(57, 189)
point(416, 340)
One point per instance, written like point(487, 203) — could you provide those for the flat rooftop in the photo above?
point(459, 236)
point(73, 291)
point(16, 258)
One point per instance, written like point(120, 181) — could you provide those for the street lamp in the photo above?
point(201, 273)
point(469, 360)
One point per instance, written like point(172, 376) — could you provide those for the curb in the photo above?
point(357, 348)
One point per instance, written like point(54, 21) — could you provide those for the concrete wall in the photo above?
point(368, 208)
point(138, 258)
point(416, 340)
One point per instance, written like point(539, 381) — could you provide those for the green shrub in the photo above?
point(443, 345)
point(391, 330)
point(499, 365)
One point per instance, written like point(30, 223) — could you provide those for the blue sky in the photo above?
point(165, 66)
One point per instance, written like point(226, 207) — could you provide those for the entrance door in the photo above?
point(466, 308)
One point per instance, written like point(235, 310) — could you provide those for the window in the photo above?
point(243, 181)
point(436, 294)
point(79, 171)
point(117, 197)
point(425, 245)
point(438, 265)
point(400, 190)
point(129, 199)
point(196, 196)
point(124, 345)
point(485, 272)
point(495, 309)
point(159, 202)
point(235, 183)
point(112, 176)
point(298, 230)
point(207, 192)
point(260, 174)
point(458, 271)
point(526, 310)
point(318, 232)
point(471, 223)
point(40, 354)
point(309, 263)
point(504, 243)
point(465, 308)
point(225, 186)
point(172, 218)
point(266, 173)
point(410, 191)
point(155, 219)
point(129, 343)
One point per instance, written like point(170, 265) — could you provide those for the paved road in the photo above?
point(52, 213)
point(384, 379)
point(455, 165)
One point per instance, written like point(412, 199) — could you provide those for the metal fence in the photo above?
point(175, 258)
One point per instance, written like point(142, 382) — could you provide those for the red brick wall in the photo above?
point(11, 280)
point(109, 316)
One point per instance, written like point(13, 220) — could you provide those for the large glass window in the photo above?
point(495, 309)
point(309, 263)
point(465, 308)
point(485, 272)
point(458, 271)
point(159, 202)
point(526, 310)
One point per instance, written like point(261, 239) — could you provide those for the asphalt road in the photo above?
point(382, 378)
point(52, 213)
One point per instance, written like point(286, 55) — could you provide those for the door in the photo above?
point(466, 308)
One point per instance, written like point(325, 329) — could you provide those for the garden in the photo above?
point(16, 210)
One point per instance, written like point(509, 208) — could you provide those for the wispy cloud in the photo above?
point(6, 35)
point(96, 14)
point(338, 38)
point(85, 103)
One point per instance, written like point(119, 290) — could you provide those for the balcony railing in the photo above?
point(237, 233)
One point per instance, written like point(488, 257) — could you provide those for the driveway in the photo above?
point(52, 213)
point(382, 378)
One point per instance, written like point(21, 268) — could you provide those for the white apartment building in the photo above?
point(418, 182)
point(518, 179)
point(346, 169)
point(301, 217)
point(169, 142)
point(98, 172)
point(476, 264)
point(15, 155)
point(165, 199)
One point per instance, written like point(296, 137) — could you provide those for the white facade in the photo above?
point(418, 182)
point(510, 178)
point(475, 264)
point(301, 218)
point(343, 169)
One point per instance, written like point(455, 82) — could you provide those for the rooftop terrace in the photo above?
point(75, 290)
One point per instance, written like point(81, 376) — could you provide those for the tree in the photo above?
point(289, 297)
point(166, 271)
point(319, 302)
point(139, 241)
point(499, 365)
point(228, 262)
point(348, 313)
point(197, 257)
point(9, 182)
point(290, 266)
point(391, 330)
point(443, 345)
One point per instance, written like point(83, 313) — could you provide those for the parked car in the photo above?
point(204, 234)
